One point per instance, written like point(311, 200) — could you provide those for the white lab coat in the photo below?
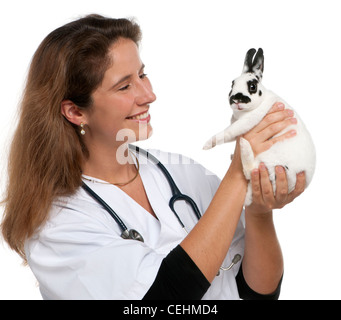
point(79, 254)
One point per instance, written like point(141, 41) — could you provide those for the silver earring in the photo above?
point(82, 129)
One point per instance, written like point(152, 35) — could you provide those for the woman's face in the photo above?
point(120, 110)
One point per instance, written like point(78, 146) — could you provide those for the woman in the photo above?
point(87, 95)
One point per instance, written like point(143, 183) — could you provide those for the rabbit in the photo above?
point(250, 102)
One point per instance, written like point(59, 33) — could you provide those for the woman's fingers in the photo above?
point(276, 122)
point(265, 139)
point(263, 197)
point(278, 106)
point(275, 109)
point(275, 128)
point(262, 194)
point(262, 136)
point(256, 188)
point(266, 187)
point(281, 186)
point(299, 188)
point(286, 135)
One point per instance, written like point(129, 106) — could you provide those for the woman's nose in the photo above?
point(145, 93)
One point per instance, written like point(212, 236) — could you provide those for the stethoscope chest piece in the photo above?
point(132, 234)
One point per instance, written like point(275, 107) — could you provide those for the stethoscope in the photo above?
point(176, 196)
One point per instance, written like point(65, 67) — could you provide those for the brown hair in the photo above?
point(47, 150)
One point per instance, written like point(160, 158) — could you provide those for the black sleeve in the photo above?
point(178, 278)
point(246, 293)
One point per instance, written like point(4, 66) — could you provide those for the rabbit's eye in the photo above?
point(252, 86)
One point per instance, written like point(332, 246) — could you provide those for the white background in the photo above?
point(192, 50)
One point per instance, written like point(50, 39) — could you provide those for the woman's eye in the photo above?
point(142, 76)
point(124, 88)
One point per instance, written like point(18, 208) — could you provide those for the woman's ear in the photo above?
point(72, 112)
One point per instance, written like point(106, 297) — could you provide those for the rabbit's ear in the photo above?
point(258, 63)
point(248, 60)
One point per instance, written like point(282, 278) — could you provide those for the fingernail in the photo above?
point(255, 172)
point(280, 106)
point(279, 169)
point(290, 113)
point(262, 167)
point(292, 132)
point(293, 120)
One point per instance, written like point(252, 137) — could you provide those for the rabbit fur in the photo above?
point(250, 102)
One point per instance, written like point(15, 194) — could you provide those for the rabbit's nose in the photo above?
point(239, 98)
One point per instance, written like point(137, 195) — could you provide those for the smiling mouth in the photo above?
point(140, 117)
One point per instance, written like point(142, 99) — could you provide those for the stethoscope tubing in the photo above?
point(113, 214)
point(176, 195)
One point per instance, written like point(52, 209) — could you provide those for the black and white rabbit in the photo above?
point(250, 102)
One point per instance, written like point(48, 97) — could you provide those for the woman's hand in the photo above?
point(261, 137)
point(264, 200)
